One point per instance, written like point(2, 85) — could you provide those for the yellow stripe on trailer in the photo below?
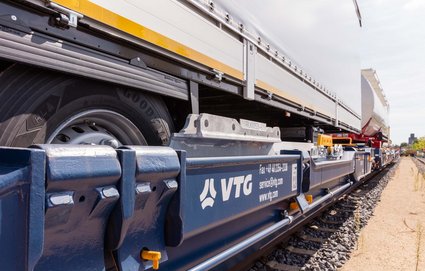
point(285, 95)
point(110, 18)
point(278, 92)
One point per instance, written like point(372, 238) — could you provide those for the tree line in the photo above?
point(418, 145)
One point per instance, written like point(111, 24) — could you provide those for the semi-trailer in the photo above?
point(176, 134)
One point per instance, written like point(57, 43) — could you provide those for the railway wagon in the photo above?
point(172, 134)
point(375, 131)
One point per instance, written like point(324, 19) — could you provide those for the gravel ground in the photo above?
point(394, 238)
point(336, 251)
point(347, 217)
point(419, 165)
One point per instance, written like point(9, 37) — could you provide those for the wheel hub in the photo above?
point(87, 134)
point(96, 127)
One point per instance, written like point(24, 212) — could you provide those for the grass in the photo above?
point(419, 230)
point(423, 181)
point(419, 182)
point(407, 226)
point(360, 243)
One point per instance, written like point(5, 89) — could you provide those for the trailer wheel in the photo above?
point(39, 106)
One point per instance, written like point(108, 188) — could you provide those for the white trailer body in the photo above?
point(268, 47)
point(375, 107)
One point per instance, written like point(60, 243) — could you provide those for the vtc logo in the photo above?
point(208, 187)
point(241, 183)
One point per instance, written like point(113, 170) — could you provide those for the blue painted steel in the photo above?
point(81, 191)
point(240, 247)
point(120, 217)
point(21, 208)
point(217, 190)
point(174, 232)
point(329, 170)
point(304, 179)
point(303, 158)
point(329, 195)
point(147, 185)
point(362, 164)
point(101, 205)
point(200, 233)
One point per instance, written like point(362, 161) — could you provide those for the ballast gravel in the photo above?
point(352, 214)
point(419, 165)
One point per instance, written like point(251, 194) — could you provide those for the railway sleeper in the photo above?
point(300, 251)
point(311, 238)
point(282, 267)
point(348, 207)
point(323, 229)
point(330, 221)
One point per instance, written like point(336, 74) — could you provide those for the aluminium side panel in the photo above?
point(282, 83)
point(319, 39)
point(348, 117)
point(271, 77)
point(172, 24)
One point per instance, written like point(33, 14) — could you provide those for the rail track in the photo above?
point(325, 241)
point(420, 164)
point(421, 160)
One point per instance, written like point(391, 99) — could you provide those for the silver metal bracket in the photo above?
point(218, 75)
point(208, 135)
point(302, 203)
point(250, 52)
point(68, 17)
point(269, 96)
point(138, 62)
point(217, 127)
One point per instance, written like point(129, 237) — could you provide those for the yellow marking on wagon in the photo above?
point(324, 140)
point(110, 18)
point(283, 94)
point(154, 256)
point(294, 205)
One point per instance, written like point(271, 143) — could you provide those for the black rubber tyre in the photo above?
point(35, 102)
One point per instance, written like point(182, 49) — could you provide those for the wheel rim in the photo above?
point(97, 127)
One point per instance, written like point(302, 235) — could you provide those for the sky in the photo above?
point(393, 43)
